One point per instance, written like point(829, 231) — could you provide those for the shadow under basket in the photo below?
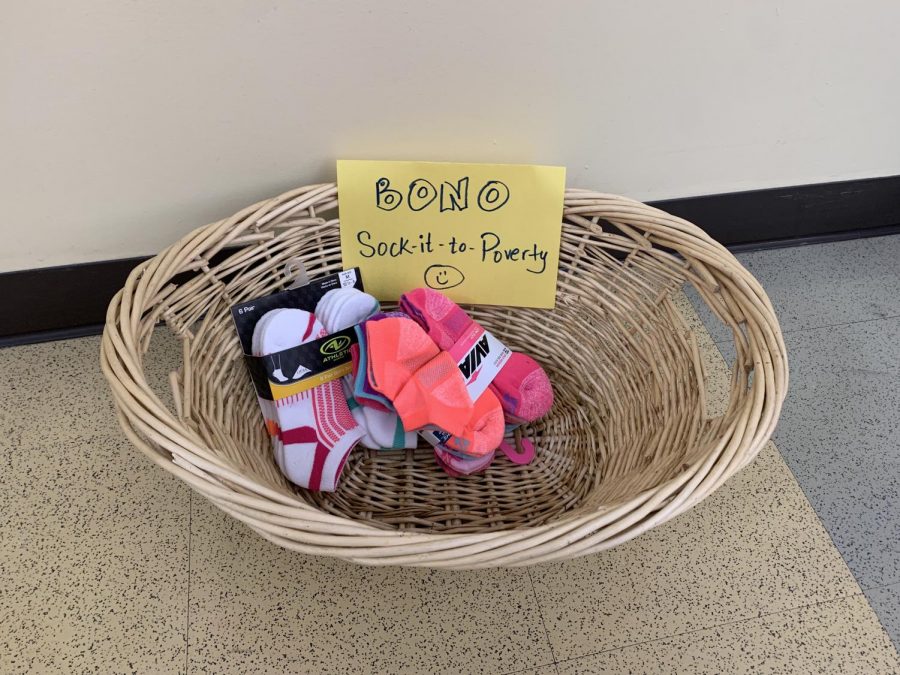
point(631, 440)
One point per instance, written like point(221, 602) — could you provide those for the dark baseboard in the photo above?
point(809, 240)
point(36, 304)
point(50, 335)
point(55, 303)
point(792, 213)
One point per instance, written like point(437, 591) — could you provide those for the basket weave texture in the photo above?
point(629, 443)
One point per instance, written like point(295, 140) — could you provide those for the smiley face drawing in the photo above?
point(442, 277)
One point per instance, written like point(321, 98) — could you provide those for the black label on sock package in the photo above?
point(285, 373)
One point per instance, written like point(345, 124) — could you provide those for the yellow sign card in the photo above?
point(481, 233)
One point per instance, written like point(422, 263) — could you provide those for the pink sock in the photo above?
point(443, 320)
point(457, 466)
point(523, 389)
point(521, 385)
point(424, 384)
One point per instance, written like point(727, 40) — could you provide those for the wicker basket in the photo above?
point(628, 445)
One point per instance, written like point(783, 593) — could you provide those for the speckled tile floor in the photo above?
point(839, 307)
point(109, 564)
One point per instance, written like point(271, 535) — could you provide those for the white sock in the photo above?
point(357, 411)
point(267, 406)
point(341, 308)
point(317, 429)
point(386, 429)
point(383, 430)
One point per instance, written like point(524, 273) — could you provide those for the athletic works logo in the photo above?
point(471, 361)
point(335, 345)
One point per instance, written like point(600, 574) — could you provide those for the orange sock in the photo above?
point(424, 384)
point(397, 348)
point(435, 395)
point(484, 431)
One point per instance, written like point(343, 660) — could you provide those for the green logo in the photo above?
point(335, 345)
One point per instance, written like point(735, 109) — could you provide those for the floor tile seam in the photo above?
point(790, 331)
point(187, 628)
point(878, 587)
point(821, 521)
point(537, 602)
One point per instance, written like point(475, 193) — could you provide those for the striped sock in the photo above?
point(317, 429)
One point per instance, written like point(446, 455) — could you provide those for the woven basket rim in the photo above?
point(173, 445)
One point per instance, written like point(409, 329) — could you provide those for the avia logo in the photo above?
point(335, 345)
point(473, 359)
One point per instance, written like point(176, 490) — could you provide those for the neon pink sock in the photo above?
point(484, 430)
point(423, 383)
point(436, 395)
point(522, 385)
point(396, 348)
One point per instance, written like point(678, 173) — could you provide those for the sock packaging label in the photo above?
point(291, 371)
point(479, 356)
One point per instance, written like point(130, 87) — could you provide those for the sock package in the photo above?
point(267, 406)
point(315, 429)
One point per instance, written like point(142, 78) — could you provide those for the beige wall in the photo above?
point(125, 124)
